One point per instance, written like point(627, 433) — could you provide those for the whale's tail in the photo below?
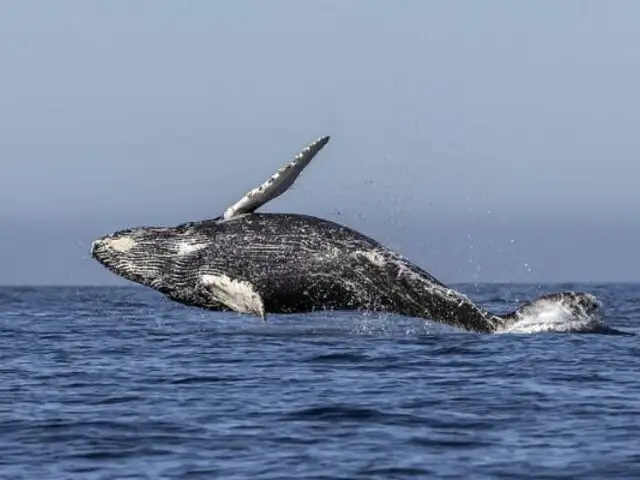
point(574, 303)
point(564, 312)
point(416, 293)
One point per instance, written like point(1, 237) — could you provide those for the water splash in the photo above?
point(558, 315)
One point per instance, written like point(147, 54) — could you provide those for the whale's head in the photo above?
point(146, 255)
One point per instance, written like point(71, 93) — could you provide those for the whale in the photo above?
point(258, 264)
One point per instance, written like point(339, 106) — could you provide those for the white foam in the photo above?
point(373, 256)
point(555, 316)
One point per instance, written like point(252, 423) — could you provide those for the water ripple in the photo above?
point(120, 383)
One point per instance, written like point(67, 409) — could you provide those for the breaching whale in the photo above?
point(259, 263)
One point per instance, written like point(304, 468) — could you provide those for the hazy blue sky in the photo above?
point(475, 137)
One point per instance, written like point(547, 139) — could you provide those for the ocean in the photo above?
point(121, 383)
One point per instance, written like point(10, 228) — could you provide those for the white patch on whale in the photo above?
point(122, 244)
point(376, 258)
point(240, 296)
point(185, 248)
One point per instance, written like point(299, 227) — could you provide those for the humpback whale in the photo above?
point(259, 263)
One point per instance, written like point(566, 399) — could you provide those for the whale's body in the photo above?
point(283, 263)
point(260, 263)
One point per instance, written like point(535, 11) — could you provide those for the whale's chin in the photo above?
point(126, 254)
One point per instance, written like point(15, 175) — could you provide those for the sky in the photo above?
point(487, 141)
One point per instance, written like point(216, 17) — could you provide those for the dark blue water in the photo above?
point(119, 383)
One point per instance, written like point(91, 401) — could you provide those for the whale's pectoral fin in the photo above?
point(238, 295)
point(278, 183)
